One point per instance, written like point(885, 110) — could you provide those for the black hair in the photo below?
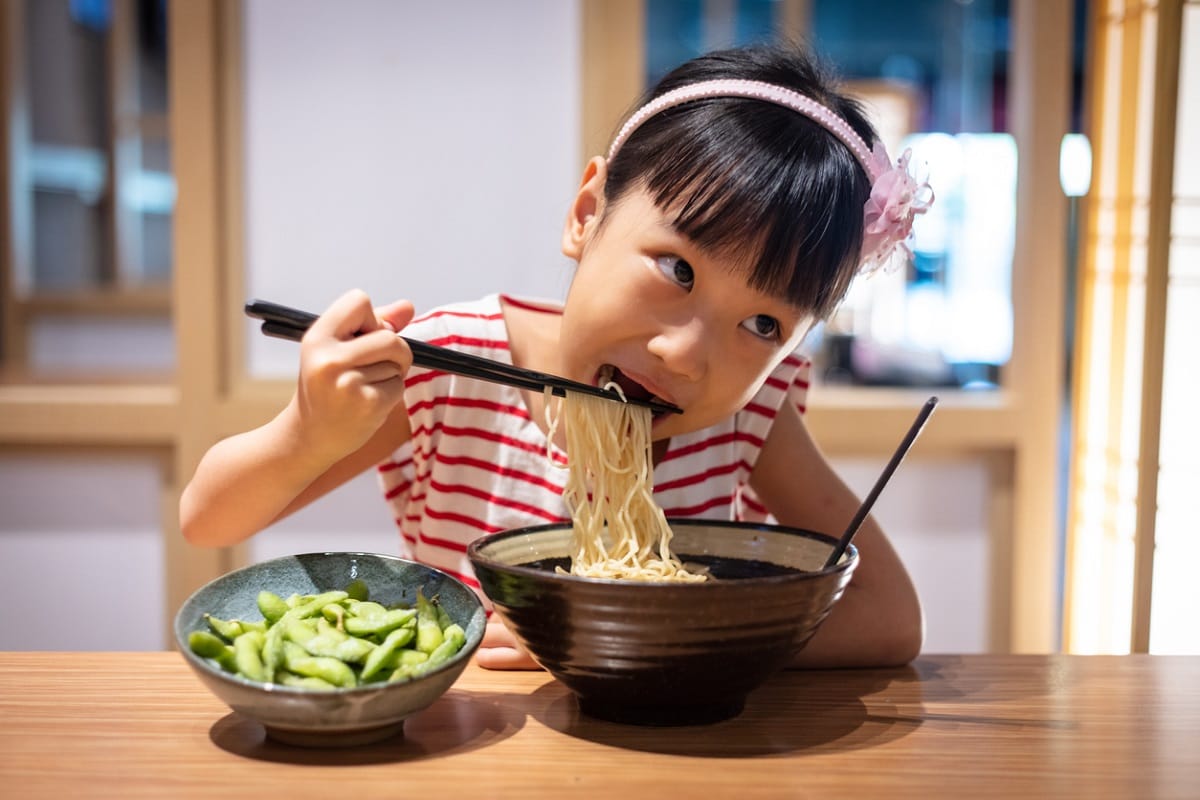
point(743, 176)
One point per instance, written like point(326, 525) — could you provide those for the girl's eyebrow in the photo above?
point(667, 225)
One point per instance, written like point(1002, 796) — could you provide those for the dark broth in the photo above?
point(728, 569)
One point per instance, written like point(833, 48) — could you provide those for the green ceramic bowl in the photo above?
point(343, 717)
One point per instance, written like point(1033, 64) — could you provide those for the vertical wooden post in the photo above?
point(15, 201)
point(125, 266)
point(1039, 98)
point(613, 69)
point(1158, 248)
point(195, 126)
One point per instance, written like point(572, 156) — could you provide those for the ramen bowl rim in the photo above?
point(846, 562)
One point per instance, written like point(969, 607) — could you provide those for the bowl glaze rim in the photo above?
point(848, 561)
point(465, 652)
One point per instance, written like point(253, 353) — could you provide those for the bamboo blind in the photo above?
point(1170, 602)
point(1122, 300)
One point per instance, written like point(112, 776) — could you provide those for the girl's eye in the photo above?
point(763, 326)
point(676, 270)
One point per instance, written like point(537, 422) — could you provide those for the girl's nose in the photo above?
point(682, 348)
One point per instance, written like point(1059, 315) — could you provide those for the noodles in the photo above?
point(619, 531)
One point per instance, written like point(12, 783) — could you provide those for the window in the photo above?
point(934, 75)
point(90, 192)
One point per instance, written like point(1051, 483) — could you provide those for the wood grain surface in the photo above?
point(142, 725)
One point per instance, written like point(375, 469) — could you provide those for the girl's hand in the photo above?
point(352, 368)
point(499, 650)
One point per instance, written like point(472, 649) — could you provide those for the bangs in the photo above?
point(770, 191)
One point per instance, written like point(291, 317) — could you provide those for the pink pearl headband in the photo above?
point(896, 197)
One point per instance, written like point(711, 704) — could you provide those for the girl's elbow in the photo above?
point(903, 640)
point(191, 523)
point(903, 648)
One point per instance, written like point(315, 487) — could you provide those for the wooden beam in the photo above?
point(1039, 96)
point(613, 69)
point(196, 104)
point(118, 415)
point(1168, 33)
point(15, 201)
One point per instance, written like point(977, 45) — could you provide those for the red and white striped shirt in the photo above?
point(477, 463)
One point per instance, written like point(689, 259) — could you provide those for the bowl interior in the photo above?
point(731, 550)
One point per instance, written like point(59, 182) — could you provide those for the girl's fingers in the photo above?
point(376, 347)
point(396, 315)
point(349, 315)
point(497, 635)
point(378, 373)
point(389, 391)
point(352, 315)
point(504, 658)
point(499, 649)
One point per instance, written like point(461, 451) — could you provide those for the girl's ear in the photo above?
point(585, 210)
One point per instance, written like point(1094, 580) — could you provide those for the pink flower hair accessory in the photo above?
point(896, 200)
point(896, 196)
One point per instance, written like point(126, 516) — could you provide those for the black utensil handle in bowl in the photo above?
point(860, 515)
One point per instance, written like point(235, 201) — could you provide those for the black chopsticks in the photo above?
point(289, 323)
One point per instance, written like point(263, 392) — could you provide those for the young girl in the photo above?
point(730, 215)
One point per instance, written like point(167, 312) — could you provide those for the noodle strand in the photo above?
point(618, 530)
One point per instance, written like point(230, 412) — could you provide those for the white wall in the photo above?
point(935, 513)
point(411, 149)
point(81, 552)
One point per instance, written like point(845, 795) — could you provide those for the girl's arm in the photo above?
point(347, 414)
point(878, 620)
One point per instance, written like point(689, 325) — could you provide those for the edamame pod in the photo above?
point(310, 605)
point(327, 669)
point(247, 651)
point(453, 638)
point(429, 632)
point(206, 645)
point(226, 629)
point(303, 682)
point(378, 657)
point(300, 630)
point(272, 606)
point(332, 643)
point(378, 623)
point(272, 650)
point(336, 614)
point(443, 618)
point(407, 658)
point(314, 604)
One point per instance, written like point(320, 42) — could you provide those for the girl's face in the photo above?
point(668, 319)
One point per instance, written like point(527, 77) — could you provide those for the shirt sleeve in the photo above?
point(789, 382)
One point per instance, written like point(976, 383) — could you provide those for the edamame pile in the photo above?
point(333, 640)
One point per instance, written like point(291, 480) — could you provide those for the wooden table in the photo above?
point(142, 725)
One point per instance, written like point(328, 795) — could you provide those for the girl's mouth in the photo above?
point(631, 389)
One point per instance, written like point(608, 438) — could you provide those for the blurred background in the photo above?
point(165, 161)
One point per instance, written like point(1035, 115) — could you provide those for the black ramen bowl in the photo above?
point(666, 653)
point(342, 717)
